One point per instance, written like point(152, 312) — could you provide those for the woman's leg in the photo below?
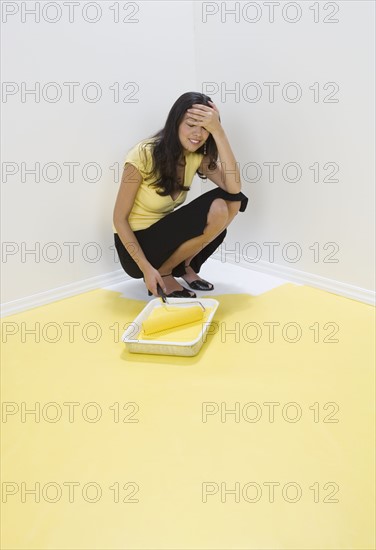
point(189, 231)
point(233, 209)
point(219, 216)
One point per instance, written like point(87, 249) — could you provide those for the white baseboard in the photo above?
point(118, 276)
point(302, 277)
point(59, 293)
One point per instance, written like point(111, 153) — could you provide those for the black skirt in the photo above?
point(161, 239)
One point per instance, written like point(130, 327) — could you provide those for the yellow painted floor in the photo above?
point(260, 441)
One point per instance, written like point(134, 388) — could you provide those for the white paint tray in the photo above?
point(164, 347)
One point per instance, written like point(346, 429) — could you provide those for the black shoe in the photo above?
point(184, 293)
point(199, 284)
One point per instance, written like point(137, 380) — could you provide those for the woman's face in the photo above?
point(191, 137)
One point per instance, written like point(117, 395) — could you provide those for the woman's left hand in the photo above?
point(207, 117)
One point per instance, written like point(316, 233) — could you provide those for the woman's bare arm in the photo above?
point(226, 174)
point(130, 183)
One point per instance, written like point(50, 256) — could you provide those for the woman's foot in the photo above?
point(172, 286)
point(195, 281)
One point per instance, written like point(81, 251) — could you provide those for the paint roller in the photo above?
point(170, 317)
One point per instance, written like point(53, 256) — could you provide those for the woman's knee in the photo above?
point(218, 212)
point(126, 261)
point(233, 207)
point(132, 270)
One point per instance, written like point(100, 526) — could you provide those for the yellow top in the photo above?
point(149, 207)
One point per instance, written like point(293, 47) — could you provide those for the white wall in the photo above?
point(232, 52)
point(171, 50)
point(151, 53)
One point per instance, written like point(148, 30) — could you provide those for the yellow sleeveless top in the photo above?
point(149, 207)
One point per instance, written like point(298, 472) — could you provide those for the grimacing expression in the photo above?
point(191, 136)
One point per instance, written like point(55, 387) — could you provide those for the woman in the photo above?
point(153, 239)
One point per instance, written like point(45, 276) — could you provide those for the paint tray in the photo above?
point(185, 340)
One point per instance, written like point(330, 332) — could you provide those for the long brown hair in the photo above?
point(166, 148)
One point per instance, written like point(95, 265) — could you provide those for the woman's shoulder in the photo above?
point(143, 144)
point(140, 156)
